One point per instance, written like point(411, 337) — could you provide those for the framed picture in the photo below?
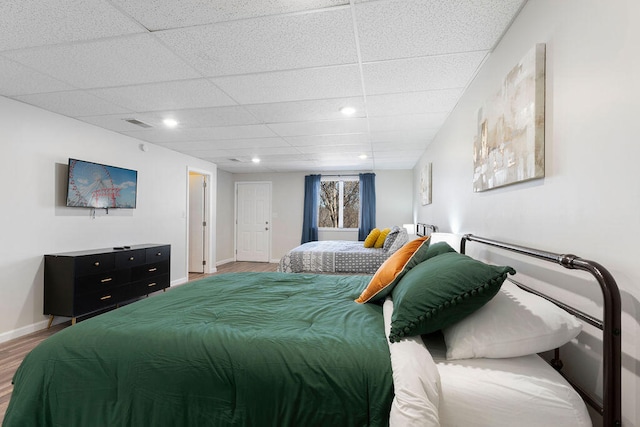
point(425, 184)
point(509, 144)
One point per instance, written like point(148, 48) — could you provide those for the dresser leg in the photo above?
point(51, 316)
point(73, 320)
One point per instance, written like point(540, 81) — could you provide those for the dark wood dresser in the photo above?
point(78, 283)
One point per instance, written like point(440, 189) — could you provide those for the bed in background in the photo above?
point(295, 349)
point(343, 256)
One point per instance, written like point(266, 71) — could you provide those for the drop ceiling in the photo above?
point(255, 79)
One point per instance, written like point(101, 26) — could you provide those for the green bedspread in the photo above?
point(246, 349)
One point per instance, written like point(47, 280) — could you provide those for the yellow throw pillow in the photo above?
point(392, 270)
point(381, 238)
point(372, 238)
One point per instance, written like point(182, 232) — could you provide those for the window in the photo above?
point(339, 205)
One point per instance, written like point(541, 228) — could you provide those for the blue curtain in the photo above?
point(367, 204)
point(310, 218)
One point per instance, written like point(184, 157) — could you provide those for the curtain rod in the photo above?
point(346, 174)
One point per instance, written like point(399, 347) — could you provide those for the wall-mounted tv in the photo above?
point(94, 185)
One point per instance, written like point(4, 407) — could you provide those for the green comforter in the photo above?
point(246, 349)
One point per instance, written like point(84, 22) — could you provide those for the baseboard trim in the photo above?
point(225, 261)
point(26, 330)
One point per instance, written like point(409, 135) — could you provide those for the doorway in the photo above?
point(198, 236)
point(253, 221)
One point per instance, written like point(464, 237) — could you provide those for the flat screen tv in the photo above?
point(94, 185)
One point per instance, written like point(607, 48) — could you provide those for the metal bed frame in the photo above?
point(610, 325)
point(421, 229)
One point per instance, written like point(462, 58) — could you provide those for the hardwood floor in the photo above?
point(12, 352)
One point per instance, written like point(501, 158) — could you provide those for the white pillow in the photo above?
point(451, 239)
point(416, 379)
point(513, 323)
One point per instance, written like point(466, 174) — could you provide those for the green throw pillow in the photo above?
point(441, 291)
point(439, 248)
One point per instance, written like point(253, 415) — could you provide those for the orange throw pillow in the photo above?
point(392, 270)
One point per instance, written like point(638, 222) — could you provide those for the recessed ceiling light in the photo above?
point(348, 111)
point(170, 123)
point(363, 156)
point(255, 160)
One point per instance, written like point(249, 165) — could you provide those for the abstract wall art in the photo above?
point(509, 144)
point(425, 184)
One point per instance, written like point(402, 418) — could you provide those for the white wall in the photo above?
point(225, 218)
point(35, 146)
point(393, 195)
point(589, 201)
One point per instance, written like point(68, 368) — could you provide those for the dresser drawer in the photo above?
point(150, 285)
point(149, 270)
point(157, 254)
point(92, 264)
point(102, 281)
point(132, 258)
point(96, 300)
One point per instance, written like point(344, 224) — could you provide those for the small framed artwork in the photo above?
point(425, 184)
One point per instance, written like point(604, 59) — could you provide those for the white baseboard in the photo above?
point(275, 261)
point(225, 261)
point(26, 330)
point(178, 282)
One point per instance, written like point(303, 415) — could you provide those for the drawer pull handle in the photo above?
point(105, 297)
point(97, 263)
point(108, 279)
point(152, 284)
point(151, 270)
point(159, 254)
point(131, 259)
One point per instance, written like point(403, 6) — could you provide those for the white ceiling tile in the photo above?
point(198, 93)
point(394, 164)
point(380, 147)
point(197, 118)
point(398, 154)
point(432, 101)
point(410, 135)
point(327, 127)
point(207, 117)
point(249, 143)
point(72, 103)
point(407, 122)
point(162, 14)
point(420, 74)
point(28, 23)
point(266, 152)
point(313, 149)
point(107, 62)
point(322, 140)
point(201, 134)
point(402, 28)
point(20, 80)
point(297, 111)
point(267, 44)
point(296, 85)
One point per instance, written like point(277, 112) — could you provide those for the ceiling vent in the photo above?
point(138, 123)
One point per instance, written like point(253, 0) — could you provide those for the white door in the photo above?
point(197, 222)
point(253, 219)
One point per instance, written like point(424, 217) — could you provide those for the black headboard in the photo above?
point(610, 325)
